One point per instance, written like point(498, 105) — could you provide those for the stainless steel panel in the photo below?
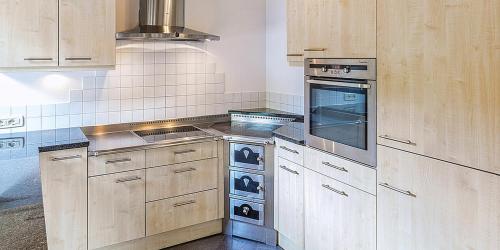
point(246, 211)
point(247, 184)
point(246, 156)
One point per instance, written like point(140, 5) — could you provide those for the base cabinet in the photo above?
point(430, 204)
point(337, 216)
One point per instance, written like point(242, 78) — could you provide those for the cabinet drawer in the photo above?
point(114, 163)
point(290, 151)
point(116, 208)
point(170, 214)
point(182, 153)
point(349, 172)
point(180, 179)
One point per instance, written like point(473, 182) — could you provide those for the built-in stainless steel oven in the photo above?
point(340, 107)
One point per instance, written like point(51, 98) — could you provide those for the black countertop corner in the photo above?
point(61, 139)
point(292, 132)
point(268, 112)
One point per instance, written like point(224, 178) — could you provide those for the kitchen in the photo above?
point(232, 124)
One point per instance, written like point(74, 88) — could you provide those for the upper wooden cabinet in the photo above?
point(87, 33)
point(424, 203)
point(50, 33)
point(28, 33)
point(332, 28)
point(439, 79)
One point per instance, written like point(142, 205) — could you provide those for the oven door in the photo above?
point(246, 184)
point(246, 156)
point(340, 117)
point(246, 211)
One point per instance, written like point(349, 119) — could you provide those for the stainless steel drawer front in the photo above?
point(247, 184)
point(246, 156)
point(245, 211)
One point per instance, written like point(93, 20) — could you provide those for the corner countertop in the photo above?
point(292, 132)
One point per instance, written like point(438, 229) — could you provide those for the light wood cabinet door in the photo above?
point(117, 210)
point(295, 10)
point(337, 216)
point(438, 79)
point(340, 28)
point(28, 33)
point(430, 204)
point(290, 204)
point(64, 189)
point(87, 33)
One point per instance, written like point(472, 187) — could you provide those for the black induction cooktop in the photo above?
point(166, 134)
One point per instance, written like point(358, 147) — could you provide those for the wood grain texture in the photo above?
point(182, 153)
point(438, 79)
point(295, 17)
point(344, 28)
point(290, 151)
point(114, 163)
point(336, 221)
point(181, 179)
point(116, 209)
point(455, 207)
point(87, 30)
point(28, 29)
point(64, 189)
point(290, 196)
point(183, 211)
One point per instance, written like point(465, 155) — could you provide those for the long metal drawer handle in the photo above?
point(406, 192)
point(66, 158)
point(180, 171)
point(39, 59)
point(335, 190)
point(118, 161)
point(390, 138)
point(315, 49)
point(289, 150)
point(128, 179)
point(335, 167)
point(78, 59)
point(289, 170)
point(294, 54)
point(184, 152)
point(180, 204)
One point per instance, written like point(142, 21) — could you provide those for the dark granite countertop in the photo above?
point(268, 112)
point(292, 132)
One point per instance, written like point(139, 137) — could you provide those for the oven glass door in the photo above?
point(246, 184)
point(339, 113)
point(247, 156)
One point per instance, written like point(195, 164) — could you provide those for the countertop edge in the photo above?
point(63, 146)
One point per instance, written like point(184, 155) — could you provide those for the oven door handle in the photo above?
point(341, 84)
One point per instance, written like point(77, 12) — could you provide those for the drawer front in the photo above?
point(290, 151)
point(247, 184)
point(114, 163)
point(246, 156)
point(245, 211)
point(170, 214)
point(181, 179)
point(349, 172)
point(116, 208)
point(179, 154)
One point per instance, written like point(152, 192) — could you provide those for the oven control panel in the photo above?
point(342, 68)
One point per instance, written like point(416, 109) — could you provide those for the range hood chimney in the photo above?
point(163, 20)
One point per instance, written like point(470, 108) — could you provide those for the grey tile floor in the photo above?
point(223, 242)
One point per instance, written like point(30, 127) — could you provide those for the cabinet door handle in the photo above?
point(294, 54)
point(118, 161)
point(335, 190)
point(180, 171)
point(78, 58)
point(315, 49)
point(128, 179)
point(390, 138)
point(180, 204)
point(39, 59)
point(65, 158)
point(184, 152)
point(289, 150)
point(289, 170)
point(406, 192)
point(335, 167)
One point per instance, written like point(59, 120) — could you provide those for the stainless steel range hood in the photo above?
point(163, 20)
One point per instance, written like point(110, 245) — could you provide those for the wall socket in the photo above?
point(11, 143)
point(12, 122)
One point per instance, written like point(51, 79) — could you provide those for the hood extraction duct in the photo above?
point(164, 20)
